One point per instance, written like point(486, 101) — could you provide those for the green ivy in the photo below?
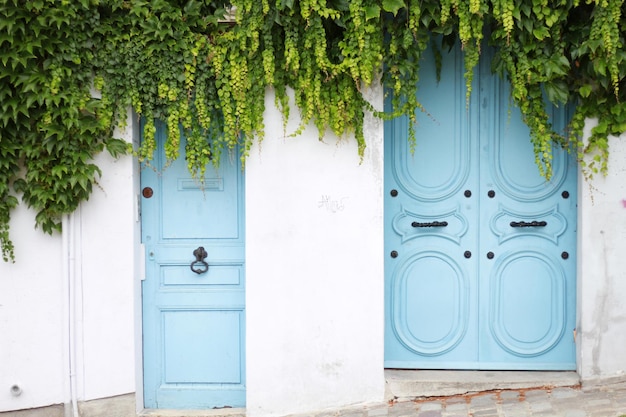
point(71, 69)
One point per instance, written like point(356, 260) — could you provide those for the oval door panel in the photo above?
point(527, 303)
point(512, 158)
point(429, 303)
point(443, 131)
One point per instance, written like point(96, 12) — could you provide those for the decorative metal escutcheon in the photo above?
point(199, 266)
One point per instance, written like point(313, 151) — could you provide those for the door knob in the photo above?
point(199, 266)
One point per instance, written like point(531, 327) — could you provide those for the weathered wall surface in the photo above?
point(314, 271)
point(602, 270)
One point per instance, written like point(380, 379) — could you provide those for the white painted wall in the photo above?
point(602, 270)
point(31, 317)
point(314, 270)
point(35, 302)
point(108, 235)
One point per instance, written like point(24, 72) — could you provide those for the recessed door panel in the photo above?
point(429, 305)
point(444, 131)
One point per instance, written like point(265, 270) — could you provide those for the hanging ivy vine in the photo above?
point(72, 68)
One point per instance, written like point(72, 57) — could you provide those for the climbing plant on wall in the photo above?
point(72, 68)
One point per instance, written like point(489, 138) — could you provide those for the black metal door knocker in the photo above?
point(199, 266)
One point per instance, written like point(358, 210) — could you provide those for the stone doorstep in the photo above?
point(222, 412)
point(402, 385)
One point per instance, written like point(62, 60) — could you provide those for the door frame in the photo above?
point(140, 269)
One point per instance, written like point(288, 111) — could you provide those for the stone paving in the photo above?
point(605, 401)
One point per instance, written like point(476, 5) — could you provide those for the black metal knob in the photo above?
point(199, 266)
point(467, 193)
point(467, 254)
point(565, 194)
point(394, 254)
point(490, 255)
point(491, 194)
point(394, 193)
point(564, 255)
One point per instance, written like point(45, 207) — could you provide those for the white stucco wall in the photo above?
point(109, 232)
point(314, 270)
point(32, 346)
point(35, 300)
point(602, 270)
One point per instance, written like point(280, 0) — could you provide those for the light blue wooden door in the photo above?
point(193, 322)
point(480, 269)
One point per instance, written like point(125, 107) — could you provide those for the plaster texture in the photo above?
point(314, 268)
point(601, 290)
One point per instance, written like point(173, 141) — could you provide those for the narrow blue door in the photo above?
point(480, 250)
point(193, 294)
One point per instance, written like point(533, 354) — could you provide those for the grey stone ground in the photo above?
point(605, 401)
point(597, 401)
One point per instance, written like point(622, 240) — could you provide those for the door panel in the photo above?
point(193, 323)
point(480, 249)
point(428, 220)
point(443, 127)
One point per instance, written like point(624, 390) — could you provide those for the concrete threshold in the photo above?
point(220, 412)
point(411, 384)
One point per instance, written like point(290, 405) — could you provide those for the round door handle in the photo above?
point(490, 255)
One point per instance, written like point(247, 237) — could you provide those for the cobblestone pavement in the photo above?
point(606, 401)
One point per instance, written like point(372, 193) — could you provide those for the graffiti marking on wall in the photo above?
point(331, 205)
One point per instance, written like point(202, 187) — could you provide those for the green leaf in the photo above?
point(393, 6)
point(372, 12)
point(557, 92)
point(585, 90)
point(541, 33)
point(116, 147)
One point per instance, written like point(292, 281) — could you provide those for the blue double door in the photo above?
point(480, 268)
point(194, 288)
